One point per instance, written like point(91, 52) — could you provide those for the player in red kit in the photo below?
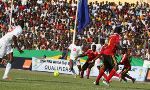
point(127, 66)
point(108, 53)
point(88, 64)
point(108, 70)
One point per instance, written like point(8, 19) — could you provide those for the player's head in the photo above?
point(21, 23)
point(77, 42)
point(94, 47)
point(118, 30)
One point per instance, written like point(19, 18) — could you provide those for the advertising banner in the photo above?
point(148, 75)
point(50, 65)
point(137, 72)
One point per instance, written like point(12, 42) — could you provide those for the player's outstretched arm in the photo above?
point(98, 56)
point(81, 55)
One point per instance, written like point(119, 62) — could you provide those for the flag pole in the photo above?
point(74, 31)
point(10, 14)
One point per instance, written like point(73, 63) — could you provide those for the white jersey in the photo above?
point(75, 51)
point(7, 38)
point(6, 41)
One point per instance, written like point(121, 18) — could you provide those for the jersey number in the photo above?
point(74, 49)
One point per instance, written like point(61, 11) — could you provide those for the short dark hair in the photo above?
point(94, 46)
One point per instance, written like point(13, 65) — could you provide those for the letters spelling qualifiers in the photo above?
point(54, 62)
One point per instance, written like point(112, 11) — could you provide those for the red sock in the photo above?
point(117, 75)
point(113, 71)
point(105, 76)
point(101, 72)
point(88, 72)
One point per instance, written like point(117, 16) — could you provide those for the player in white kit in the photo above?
point(6, 46)
point(75, 51)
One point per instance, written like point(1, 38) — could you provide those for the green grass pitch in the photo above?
point(31, 80)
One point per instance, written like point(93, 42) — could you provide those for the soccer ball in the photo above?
point(56, 73)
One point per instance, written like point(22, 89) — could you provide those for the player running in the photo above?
point(75, 51)
point(6, 46)
point(99, 64)
point(88, 64)
point(127, 66)
point(108, 53)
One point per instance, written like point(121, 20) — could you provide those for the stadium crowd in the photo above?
point(49, 23)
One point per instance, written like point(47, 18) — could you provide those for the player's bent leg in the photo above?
point(88, 72)
point(101, 72)
point(8, 66)
point(133, 79)
point(113, 71)
point(123, 74)
point(123, 78)
point(79, 66)
point(126, 75)
point(104, 76)
point(84, 67)
point(112, 64)
point(71, 63)
point(89, 69)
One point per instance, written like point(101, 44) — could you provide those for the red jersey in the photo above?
point(102, 49)
point(91, 55)
point(125, 61)
point(112, 44)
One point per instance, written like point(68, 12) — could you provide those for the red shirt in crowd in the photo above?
point(91, 54)
point(21, 7)
point(114, 40)
point(125, 61)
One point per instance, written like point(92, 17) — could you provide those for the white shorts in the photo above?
point(5, 49)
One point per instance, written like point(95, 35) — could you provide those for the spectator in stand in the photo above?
point(54, 17)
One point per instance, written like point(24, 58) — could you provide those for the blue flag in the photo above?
point(83, 14)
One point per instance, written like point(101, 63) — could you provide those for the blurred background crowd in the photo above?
point(49, 24)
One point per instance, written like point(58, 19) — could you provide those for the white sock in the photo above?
point(8, 67)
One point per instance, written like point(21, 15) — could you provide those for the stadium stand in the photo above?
point(49, 23)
